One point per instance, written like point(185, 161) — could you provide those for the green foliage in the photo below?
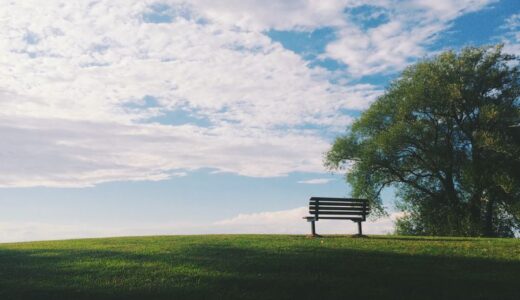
point(261, 267)
point(446, 134)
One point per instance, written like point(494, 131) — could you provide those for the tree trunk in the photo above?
point(475, 210)
point(488, 225)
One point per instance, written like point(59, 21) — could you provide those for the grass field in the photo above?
point(262, 267)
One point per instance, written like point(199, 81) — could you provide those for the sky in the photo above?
point(134, 117)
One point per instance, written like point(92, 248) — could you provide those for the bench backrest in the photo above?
point(338, 208)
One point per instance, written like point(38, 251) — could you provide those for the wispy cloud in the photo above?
point(317, 181)
point(511, 35)
point(66, 153)
point(291, 221)
point(274, 222)
point(404, 36)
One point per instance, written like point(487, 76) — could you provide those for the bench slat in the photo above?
point(338, 213)
point(341, 218)
point(336, 203)
point(319, 208)
point(325, 212)
point(347, 213)
point(338, 199)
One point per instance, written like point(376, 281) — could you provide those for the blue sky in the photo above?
point(184, 117)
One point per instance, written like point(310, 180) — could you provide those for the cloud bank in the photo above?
point(275, 222)
point(96, 91)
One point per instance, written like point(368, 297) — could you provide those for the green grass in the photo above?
point(262, 267)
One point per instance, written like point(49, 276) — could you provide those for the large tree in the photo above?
point(446, 136)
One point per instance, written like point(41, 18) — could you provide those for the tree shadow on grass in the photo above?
point(221, 271)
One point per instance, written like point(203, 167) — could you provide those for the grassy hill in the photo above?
point(262, 267)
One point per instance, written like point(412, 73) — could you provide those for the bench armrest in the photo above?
point(310, 219)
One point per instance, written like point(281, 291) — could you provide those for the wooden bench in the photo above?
point(355, 210)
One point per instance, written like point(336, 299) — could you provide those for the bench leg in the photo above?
point(360, 231)
point(313, 227)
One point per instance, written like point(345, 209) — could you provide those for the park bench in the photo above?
point(355, 210)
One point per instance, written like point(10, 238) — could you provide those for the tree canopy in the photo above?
point(446, 136)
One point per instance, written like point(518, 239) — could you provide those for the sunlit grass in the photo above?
point(261, 267)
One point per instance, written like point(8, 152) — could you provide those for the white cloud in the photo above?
point(317, 181)
point(513, 22)
point(410, 27)
point(282, 15)
point(276, 222)
point(88, 63)
point(291, 221)
point(36, 231)
point(511, 37)
point(54, 152)
point(74, 75)
point(40, 231)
